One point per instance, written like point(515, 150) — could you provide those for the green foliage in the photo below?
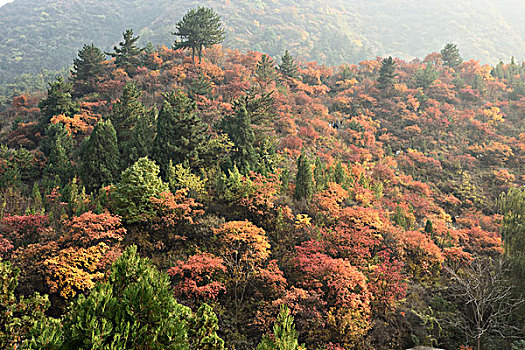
point(320, 174)
point(18, 315)
point(181, 135)
point(239, 128)
point(339, 173)
point(284, 334)
point(87, 69)
point(100, 157)
point(387, 74)
point(58, 101)
point(138, 183)
point(265, 71)
point(46, 334)
point(59, 144)
point(134, 124)
point(127, 53)
point(180, 177)
point(37, 206)
point(304, 186)
point(198, 29)
point(425, 77)
point(451, 56)
point(133, 309)
point(203, 328)
point(512, 206)
point(288, 68)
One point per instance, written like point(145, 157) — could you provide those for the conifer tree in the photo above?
point(239, 129)
point(134, 125)
point(141, 141)
point(285, 337)
point(59, 145)
point(18, 315)
point(265, 71)
point(132, 195)
point(58, 101)
point(199, 28)
point(304, 186)
point(288, 67)
point(512, 206)
point(100, 157)
point(127, 53)
point(37, 205)
point(425, 77)
point(339, 173)
point(451, 56)
point(203, 330)
point(319, 174)
point(429, 228)
point(387, 75)
point(133, 309)
point(87, 67)
point(181, 134)
point(52, 133)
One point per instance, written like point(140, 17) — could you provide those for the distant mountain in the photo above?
point(46, 34)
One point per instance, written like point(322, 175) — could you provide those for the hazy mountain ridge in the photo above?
point(47, 34)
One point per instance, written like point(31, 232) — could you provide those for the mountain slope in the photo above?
point(46, 34)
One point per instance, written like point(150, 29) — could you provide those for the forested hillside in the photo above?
point(158, 200)
point(37, 35)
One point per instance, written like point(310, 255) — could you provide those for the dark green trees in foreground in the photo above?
point(198, 29)
point(284, 334)
point(133, 309)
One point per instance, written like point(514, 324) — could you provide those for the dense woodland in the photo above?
point(40, 37)
point(166, 198)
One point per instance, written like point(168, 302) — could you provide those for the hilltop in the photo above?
point(44, 35)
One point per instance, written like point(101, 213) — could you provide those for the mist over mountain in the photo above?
point(46, 34)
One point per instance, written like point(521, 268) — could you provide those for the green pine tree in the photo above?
point(37, 205)
point(134, 125)
point(142, 138)
point(133, 309)
point(198, 29)
point(265, 71)
point(127, 53)
point(512, 206)
point(203, 330)
point(304, 186)
point(288, 67)
point(181, 135)
point(319, 174)
point(58, 101)
point(387, 75)
point(339, 173)
point(239, 128)
point(451, 56)
point(18, 315)
point(425, 77)
point(87, 68)
point(284, 337)
point(100, 157)
point(138, 183)
point(429, 228)
point(60, 145)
